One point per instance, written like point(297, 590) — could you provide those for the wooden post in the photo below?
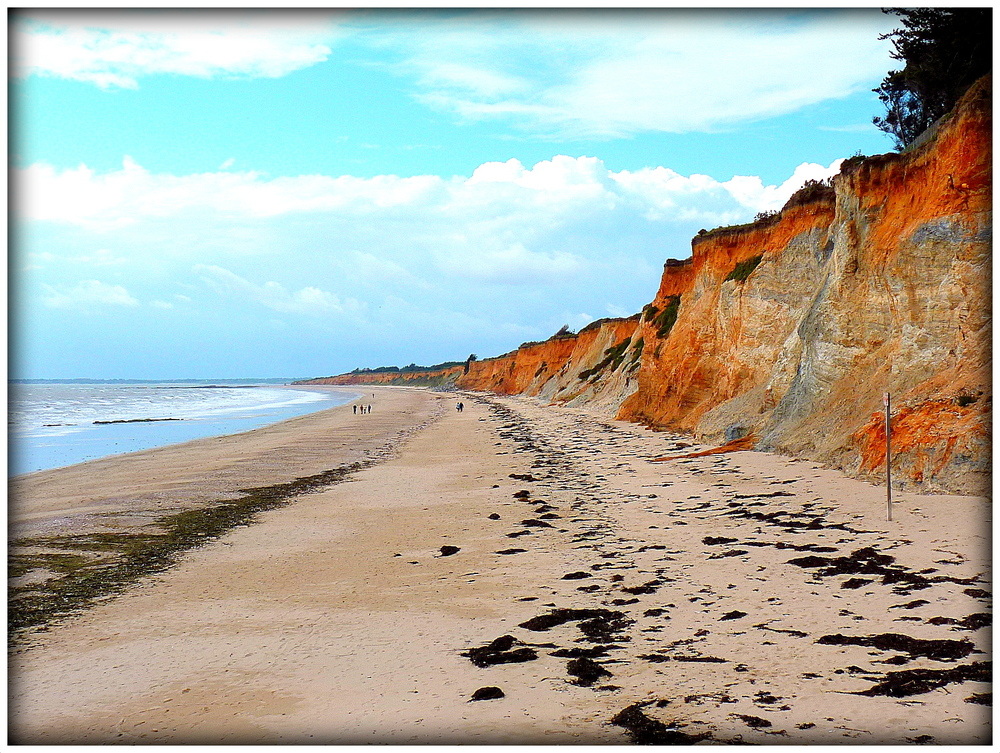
point(888, 458)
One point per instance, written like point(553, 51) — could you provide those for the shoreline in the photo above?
point(345, 616)
point(86, 441)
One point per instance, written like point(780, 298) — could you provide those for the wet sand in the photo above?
point(729, 598)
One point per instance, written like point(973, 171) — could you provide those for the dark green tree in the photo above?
point(945, 50)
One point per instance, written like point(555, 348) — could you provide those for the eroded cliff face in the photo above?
point(597, 366)
point(881, 287)
point(785, 333)
point(435, 378)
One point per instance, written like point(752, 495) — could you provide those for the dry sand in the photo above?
point(336, 619)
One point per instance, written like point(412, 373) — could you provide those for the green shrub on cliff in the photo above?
point(664, 321)
point(744, 269)
point(613, 357)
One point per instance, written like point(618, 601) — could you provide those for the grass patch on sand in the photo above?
point(87, 567)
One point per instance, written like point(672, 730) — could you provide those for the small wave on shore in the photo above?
point(57, 424)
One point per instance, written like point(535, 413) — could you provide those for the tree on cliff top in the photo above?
point(945, 50)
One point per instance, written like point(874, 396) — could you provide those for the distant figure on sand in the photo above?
point(459, 407)
point(355, 410)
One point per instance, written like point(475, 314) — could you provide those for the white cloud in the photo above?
point(273, 295)
point(117, 48)
point(509, 238)
point(512, 265)
point(612, 74)
point(584, 74)
point(550, 189)
point(87, 294)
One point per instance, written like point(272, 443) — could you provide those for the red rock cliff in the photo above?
point(591, 366)
point(787, 331)
point(435, 378)
point(882, 285)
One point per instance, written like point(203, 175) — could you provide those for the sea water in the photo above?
point(52, 425)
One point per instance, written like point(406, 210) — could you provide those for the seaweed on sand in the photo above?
point(107, 563)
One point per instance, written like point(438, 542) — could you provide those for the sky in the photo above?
point(240, 193)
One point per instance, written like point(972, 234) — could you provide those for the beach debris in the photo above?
point(447, 550)
point(795, 633)
point(522, 477)
point(523, 494)
point(734, 615)
point(597, 624)
point(983, 699)
point(576, 576)
point(866, 561)
point(586, 671)
point(854, 583)
point(907, 682)
point(753, 721)
point(713, 540)
point(578, 653)
point(646, 588)
point(762, 696)
point(939, 650)
point(971, 622)
point(500, 651)
point(493, 516)
point(511, 551)
point(729, 553)
point(532, 523)
point(487, 693)
point(646, 731)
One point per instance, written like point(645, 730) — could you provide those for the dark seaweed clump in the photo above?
point(646, 731)
point(940, 650)
point(586, 671)
point(867, 561)
point(487, 694)
point(909, 682)
point(499, 651)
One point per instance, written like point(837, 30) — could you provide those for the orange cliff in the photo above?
point(881, 285)
point(592, 366)
point(429, 378)
point(784, 334)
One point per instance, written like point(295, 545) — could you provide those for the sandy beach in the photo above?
point(742, 597)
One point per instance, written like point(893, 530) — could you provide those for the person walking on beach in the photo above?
point(355, 410)
point(459, 407)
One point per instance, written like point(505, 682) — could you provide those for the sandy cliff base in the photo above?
point(338, 619)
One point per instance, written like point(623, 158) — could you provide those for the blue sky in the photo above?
point(251, 193)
